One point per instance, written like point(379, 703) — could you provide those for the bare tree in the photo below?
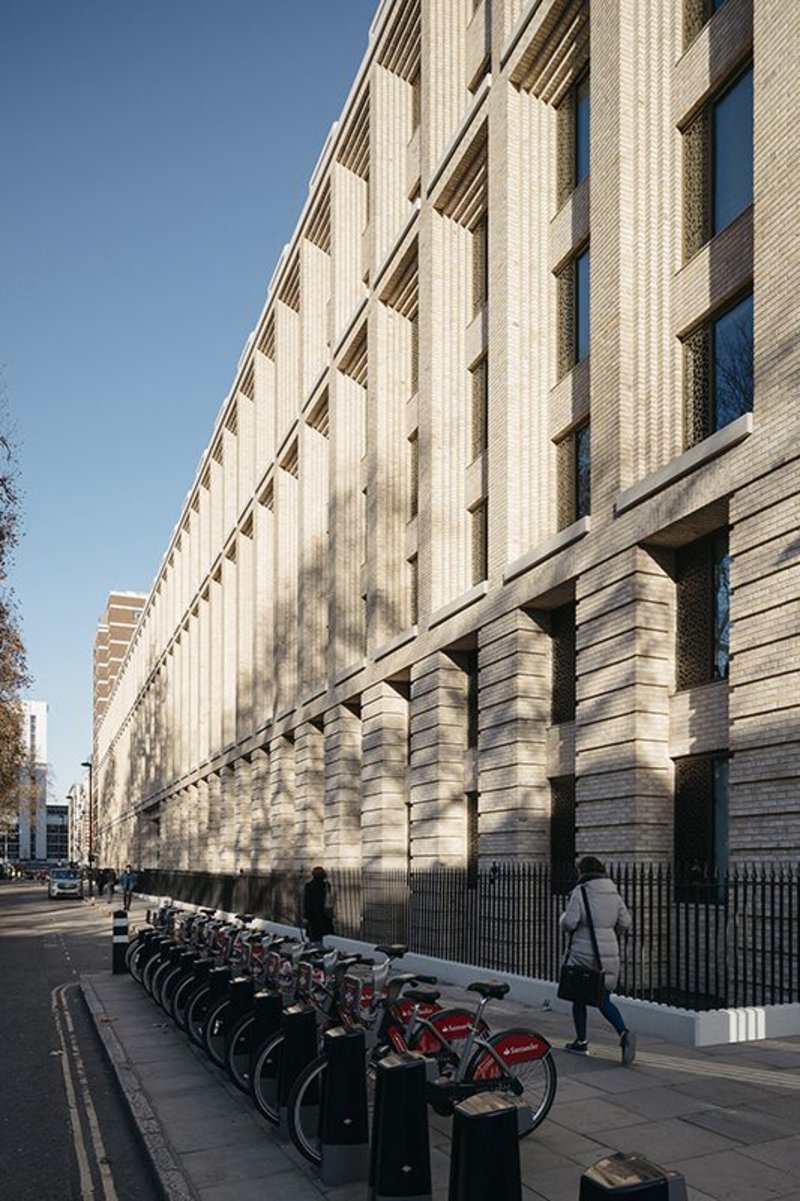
point(13, 665)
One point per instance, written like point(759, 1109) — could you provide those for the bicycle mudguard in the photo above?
point(512, 1047)
point(453, 1024)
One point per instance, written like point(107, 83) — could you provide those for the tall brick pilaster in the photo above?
point(342, 815)
point(309, 795)
point(438, 762)
point(625, 669)
point(227, 816)
point(260, 816)
point(213, 847)
point(281, 803)
point(242, 819)
point(514, 699)
point(384, 768)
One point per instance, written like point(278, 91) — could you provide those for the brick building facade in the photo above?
point(494, 552)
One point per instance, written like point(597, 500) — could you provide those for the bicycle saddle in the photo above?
point(395, 950)
point(489, 988)
point(422, 996)
point(244, 917)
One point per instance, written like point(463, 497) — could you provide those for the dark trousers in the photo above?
point(608, 1010)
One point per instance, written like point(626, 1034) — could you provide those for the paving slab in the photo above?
point(733, 1176)
point(724, 1117)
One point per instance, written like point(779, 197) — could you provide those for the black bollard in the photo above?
point(344, 1126)
point(218, 981)
point(484, 1160)
point(630, 1175)
point(119, 942)
point(400, 1154)
point(299, 1047)
point(240, 995)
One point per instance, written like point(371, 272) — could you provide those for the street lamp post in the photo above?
point(88, 764)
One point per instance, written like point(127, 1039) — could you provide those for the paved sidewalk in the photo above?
point(727, 1118)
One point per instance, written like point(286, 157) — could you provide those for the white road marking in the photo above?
point(72, 1052)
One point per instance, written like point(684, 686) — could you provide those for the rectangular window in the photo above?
point(718, 164)
point(562, 833)
point(582, 306)
point(480, 407)
point(574, 469)
point(573, 328)
point(480, 542)
point(471, 670)
point(732, 152)
point(696, 13)
point(413, 590)
point(701, 820)
point(573, 128)
point(562, 638)
point(413, 470)
point(581, 102)
point(718, 371)
point(702, 578)
point(480, 263)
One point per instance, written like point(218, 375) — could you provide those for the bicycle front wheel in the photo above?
point(237, 1051)
point(264, 1079)
point(215, 1030)
point(522, 1067)
point(302, 1110)
point(196, 1014)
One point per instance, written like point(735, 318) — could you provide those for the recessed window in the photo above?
point(718, 164)
point(703, 588)
point(582, 306)
point(696, 14)
point(582, 116)
point(562, 833)
point(573, 139)
point(701, 820)
point(562, 641)
point(718, 376)
point(732, 152)
point(480, 407)
point(479, 517)
point(573, 313)
point(480, 263)
point(574, 471)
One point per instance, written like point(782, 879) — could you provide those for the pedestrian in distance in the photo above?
point(318, 904)
point(111, 881)
point(610, 918)
point(127, 882)
point(100, 880)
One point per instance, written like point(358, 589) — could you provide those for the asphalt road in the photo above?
point(65, 1133)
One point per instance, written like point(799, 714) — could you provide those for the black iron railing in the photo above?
point(698, 941)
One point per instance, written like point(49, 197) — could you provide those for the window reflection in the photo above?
point(583, 471)
point(582, 118)
point(732, 162)
point(733, 363)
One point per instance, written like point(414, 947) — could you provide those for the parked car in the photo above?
point(64, 882)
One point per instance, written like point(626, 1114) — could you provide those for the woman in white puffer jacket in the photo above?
point(611, 918)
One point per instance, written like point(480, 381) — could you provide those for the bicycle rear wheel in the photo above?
point(237, 1051)
point(264, 1080)
point(523, 1068)
point(302, 1110)
point(214, 1031)
point(196, 1014)
point(181, 998)
point(304, 1106)
point(133, 957)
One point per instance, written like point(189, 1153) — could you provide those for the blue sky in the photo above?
point(155, 158)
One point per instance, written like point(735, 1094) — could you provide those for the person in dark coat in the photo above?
point(610, 918)
point(318, 905)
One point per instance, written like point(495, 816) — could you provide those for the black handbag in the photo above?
point(579, 984)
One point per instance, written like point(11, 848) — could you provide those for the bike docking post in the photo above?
point(240, 996)
point(267, 1018)
point(298, 1049)
point(119, 942)
point(630, 1175)
point(400, 1154)
point(343, 1121)
point(484, 1160)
